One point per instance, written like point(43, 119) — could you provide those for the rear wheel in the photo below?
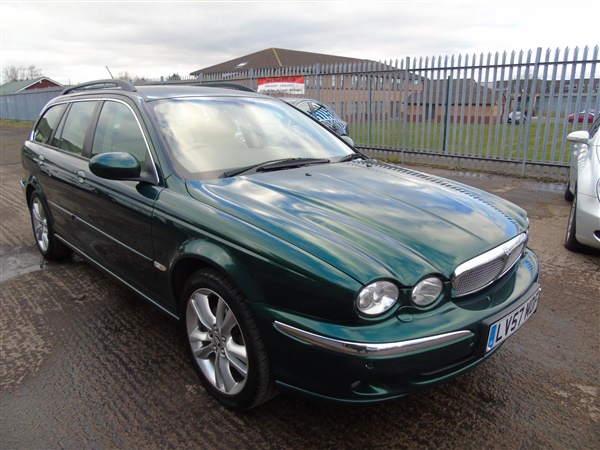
point(224, 342)
point(48, 245)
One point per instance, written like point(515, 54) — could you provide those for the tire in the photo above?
point(570, 239)
point(224, 343)
point(568, 194)
point(43, 231)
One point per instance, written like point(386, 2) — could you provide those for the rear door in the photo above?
point(54, 156)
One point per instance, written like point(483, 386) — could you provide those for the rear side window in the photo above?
point(304, 107)
point(48, 123)
point(76, 125)
point(118, 131)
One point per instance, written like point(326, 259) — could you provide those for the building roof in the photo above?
point(14, 87)
point(276, 57)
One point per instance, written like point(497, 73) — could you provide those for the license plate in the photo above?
point(510, 323)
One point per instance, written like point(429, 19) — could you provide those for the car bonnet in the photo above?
point(369, 220)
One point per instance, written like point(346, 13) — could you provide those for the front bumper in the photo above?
point(396, 357)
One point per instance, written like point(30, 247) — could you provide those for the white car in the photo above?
point(320, 112)
point(517, 117)
point(583, 189)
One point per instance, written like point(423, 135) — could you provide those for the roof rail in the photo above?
point(101, 84)
point(237, 87)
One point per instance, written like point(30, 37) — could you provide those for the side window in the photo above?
point(320, 112)
point(118, 131)
point(75, 128)
point(48, 123)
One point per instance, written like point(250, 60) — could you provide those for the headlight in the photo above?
point(427, 291)
point(377, 298)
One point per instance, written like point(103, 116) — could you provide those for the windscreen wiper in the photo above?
point(353, 156)
point(277, 164)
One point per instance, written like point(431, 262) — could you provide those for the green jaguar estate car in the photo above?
point(292, 261)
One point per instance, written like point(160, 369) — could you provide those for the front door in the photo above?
point(115, 216)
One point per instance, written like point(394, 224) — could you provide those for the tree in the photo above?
point(174, 77)
point(135, 79)
point(125, 76)
point(33, 72)
point(20, 73)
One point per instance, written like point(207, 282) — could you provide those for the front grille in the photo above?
point(500, 294)
point(484, 269)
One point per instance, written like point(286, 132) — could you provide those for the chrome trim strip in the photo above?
point(490, 256)
point(368, 349)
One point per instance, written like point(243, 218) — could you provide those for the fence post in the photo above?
point(531, 107)
point(369, 106)
point(405, 82)
point(447, 114)
point(251, 79)
point(318, 81)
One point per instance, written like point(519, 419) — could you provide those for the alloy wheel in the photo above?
point(216, 341)
point(40, 224)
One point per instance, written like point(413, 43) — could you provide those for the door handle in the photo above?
point(81, 176)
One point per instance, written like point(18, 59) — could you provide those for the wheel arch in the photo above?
point(182, 271)
point(32, 186)
point(56, 249)
point(201, 254)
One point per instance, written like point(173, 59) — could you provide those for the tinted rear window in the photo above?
point(48, 123)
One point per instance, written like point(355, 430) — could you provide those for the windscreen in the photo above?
point(208, 137)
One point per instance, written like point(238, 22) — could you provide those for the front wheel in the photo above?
point(571, 242)
point(224, 342)
point(568, 193)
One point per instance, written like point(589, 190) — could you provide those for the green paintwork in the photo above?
point(369, 221)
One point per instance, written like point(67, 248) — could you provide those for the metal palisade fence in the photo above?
point(508, 112)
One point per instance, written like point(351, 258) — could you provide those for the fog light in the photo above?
point(427, 291)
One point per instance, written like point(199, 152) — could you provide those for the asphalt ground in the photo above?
point(84, 363)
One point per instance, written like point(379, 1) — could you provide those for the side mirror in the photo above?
point(116, 166)
point(579, 137)
point(348, 140)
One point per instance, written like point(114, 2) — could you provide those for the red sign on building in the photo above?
point(288, 85)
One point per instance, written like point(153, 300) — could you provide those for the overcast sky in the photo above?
point(74, 41)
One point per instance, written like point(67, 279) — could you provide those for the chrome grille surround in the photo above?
point(483, 270)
